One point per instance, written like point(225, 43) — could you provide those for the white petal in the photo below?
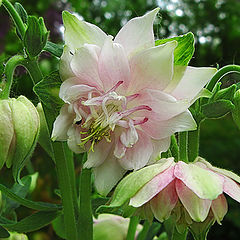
point(163, 129)
point(193, 80)
point(152, 68)
point(62, 123)
point(137, 34)
point(232, 188)
point(113, 65)
point(74, 139)
point(79, 32)
point(130, 136)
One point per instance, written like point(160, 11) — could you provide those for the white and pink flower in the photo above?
point(123, 96)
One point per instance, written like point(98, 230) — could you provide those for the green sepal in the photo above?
point(226, 93)
point(184, 50)
point(217, 109)
point(22, 12)
point(54, 49)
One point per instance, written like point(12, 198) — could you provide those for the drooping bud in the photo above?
point(236, 110)
point(19, 129)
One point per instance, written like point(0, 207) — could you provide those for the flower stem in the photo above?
point(174, 148)
point(193, 144)
point(142, 235)
point(183, 146)
point(9, 70)
point(15, 16)
point(85, 220)
point(132, 227)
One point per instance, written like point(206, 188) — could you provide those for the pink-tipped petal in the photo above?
point(154, 64)
point(137, 156)
point(193, 80)
point(113, 65)
point(219, 208)
point(137, 34)
point(164, 202)
point(62, 123)
point(162, 129)
point(84, 64)
point(232, 188)
point(79, 32)
point(197, 208)
point(204, 183)
point(153, 187)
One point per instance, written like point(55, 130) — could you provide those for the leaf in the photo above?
point(59, 227)
point(4, 233)
point(22, 12)
point(217, 109)
point(41, 206)
point(30, 223)
point(54, 49)
point(184, 50)
point(48, 90)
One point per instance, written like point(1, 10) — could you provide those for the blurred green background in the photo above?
point(216, 26)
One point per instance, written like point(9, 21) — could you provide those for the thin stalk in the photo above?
point(85, 220)
point(174, 148)
point(15, 16)
point(142, 235)
point(183, 146)
point(193, 144)
point(132, 227)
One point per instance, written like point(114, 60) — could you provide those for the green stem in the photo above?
point(9, 71)
point(221, 73)
point(85, 221)
point(174, 148)
point(193, 144)
point(183, 146)
point(132, 227)
point(142, 235)
point(15, 16)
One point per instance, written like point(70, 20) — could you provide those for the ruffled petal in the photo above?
point(107, 175)
point(197, 208)
point(164, 202)
point(232, 189)
point(101, 153)
point(204, 183)
point(84, 64)
point(137, 34)
point(162, 129)
point(219, 208)
point(79, 32)
point(137, 156)
point(193, 80)
point(113, 65)
point(154, 65)
point(153, 187)
point(62, 123)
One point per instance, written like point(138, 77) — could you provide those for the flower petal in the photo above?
point(137, 156)
point(204, 183)
point(84, 64)
point(219, 207)
point(193, 80)
point(196, 207)
point(162, 129)
point(107, 175)
point(137, 34)
point(154, 65)
point(164, 202)
point(78, 32)
point(232, 189)
point(113, 65)
point(74, 139)
point(62, 123)
point(153, 187)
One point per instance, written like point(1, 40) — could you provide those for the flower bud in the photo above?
point(19, 129)
point(236, 110)
point(17, 236)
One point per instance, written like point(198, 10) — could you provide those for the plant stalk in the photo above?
point(183, 146)
point(132, 227)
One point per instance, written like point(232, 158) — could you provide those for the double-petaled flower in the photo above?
point(123, 96)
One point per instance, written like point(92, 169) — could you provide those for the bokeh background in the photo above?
point(216, 26)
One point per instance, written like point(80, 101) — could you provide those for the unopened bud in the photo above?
point(18, 236)
point(19, 129)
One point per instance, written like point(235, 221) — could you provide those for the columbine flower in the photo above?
point(192, 192)
point(123, 97)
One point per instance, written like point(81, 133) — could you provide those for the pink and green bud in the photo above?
point(19, 129)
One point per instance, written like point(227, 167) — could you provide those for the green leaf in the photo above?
point(48, 92)
point(22, 12)
point(41, 206)
point(184, 50)
point(30, 223)
point(59, 227)
point(4, 233)
point(54, 49)
point(217, 109)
